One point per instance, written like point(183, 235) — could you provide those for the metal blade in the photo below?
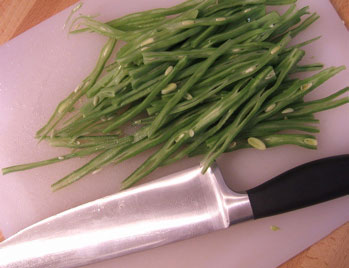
point(176, 207)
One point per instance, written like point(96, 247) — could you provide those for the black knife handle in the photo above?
point(302, 186)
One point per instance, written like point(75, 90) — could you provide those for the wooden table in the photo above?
point(18, 16)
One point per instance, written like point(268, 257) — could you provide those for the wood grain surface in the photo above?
point(17, 16)
point(330, 252)
point(342, 7)
point(1, 237)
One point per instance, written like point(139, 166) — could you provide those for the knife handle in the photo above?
point(302, 186)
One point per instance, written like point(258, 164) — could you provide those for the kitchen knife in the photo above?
point(179, 206)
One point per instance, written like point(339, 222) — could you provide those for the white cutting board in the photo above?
point(43, 65)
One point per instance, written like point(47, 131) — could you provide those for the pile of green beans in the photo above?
point(200, 78)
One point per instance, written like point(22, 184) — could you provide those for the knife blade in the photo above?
point(179, 206)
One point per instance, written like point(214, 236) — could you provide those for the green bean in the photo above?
point(151, 163)
point(118, 153)
point(89, 116)
point(214, 77)
point(146, 144)
point(205, 93)
point(270, 141)
point(164, 30)
point(207, 118)
point(318, 105)
point(305, 24)
point(225, 137)
point(132, 96)
point(302, 140)
point(65, 105)
point(289, 11)
point(280, 2)
point(155, 160)
point(251, 66)
point(301, 27)
point(216, 21)
point(95, 164)
point(81, 153)
point(290, 21)
point(270, 127)
point(73, 118)
point(138, 109)
point(172, 40)
point(143, 121)
point(111, 91)
point(217, 7)
point(164, 56)
point(151, 17)
point(230, 65)
point(296, 91)
point(152, 57)
point(155, 72)
point(231, 132)
point(145, 24)
point(158, 121)
point(244, 31)
point(193, 102)
point(301, 44)
point(307, 68)
point(142, 70)
point(234, 98)
point(199, 40)
point(137, 93)
point(204, 136)
point(189, 23)
point(140, 16)
point(83, 141)
point(103, 82)
point(220, 69)
point(90, 108)
point(99, 27)
point(250, 110)
point(162, 44)
point(141, 39)
point(76, 128)
point(98, 117)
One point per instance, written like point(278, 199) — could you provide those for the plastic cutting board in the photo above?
point(41, 66)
